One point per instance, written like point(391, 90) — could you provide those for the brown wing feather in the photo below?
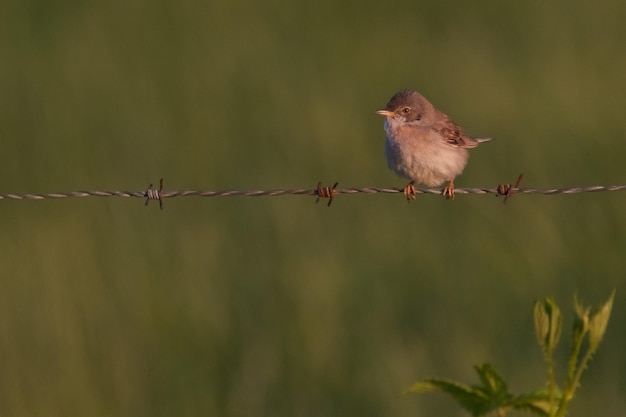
point(453, 135)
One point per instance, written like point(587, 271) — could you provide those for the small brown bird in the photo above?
point(423, 144)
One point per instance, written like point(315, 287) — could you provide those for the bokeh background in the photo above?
point(278, 306)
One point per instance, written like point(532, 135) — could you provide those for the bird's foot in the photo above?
point(409, 191)
point(448, 192)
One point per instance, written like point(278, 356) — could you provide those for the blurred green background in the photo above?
point(278, 306)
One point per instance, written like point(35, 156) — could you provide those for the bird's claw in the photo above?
point(448, 191)
point(409, 191)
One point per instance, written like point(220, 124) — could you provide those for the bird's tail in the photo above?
point(473, 142)
point(481, 140)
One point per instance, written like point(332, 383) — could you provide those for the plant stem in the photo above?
point(574, 373)
point(551, 381)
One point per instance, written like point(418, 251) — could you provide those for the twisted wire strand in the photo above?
point(159, 194)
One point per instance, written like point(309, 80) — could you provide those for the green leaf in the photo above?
point(547, 324)
point(493, 384)
point(478, 400)
point(598, 320)
point(581, 322)
point(536, 402)
point(542, 323)
point(471, 399)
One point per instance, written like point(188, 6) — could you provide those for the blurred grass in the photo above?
point(279, 306)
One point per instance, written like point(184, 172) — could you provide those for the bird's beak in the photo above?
point(385, 113)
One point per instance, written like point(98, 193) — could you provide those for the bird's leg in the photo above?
point(448, 192)
point(409, 191)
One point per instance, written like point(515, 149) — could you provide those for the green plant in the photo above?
point(492, 394)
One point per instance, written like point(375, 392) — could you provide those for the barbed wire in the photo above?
point(506, 190)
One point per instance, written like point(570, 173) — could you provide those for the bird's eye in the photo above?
point(406, 110)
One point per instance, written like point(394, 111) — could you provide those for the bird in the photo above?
point(423, 144)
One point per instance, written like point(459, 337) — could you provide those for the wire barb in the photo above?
point(154, 194)
point(508, 190)
point(326, 192)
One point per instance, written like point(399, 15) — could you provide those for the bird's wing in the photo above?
point(453, 135)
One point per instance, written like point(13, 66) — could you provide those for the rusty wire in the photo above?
point(320, 192)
